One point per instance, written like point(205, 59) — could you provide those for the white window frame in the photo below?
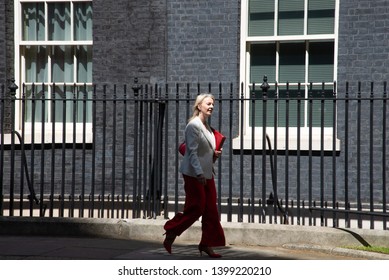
point(20, 79)
point(245, 79)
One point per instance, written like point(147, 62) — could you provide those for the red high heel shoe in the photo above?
point(168, 242)
point(208, 251)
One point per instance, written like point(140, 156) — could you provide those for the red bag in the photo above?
point(182, 148)
point(219, 140)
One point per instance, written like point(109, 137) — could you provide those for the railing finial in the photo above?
point(265, 86)
point(12, 88)
point(136, 87)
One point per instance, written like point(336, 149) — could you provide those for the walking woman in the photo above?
point(199, 184)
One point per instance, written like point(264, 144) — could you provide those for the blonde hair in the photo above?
point(199, 99)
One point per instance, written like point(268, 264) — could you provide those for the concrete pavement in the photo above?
point(117, 239)
point(86, 248)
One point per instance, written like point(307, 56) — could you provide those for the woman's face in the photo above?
point(206, 107)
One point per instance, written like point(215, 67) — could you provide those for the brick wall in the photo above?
point(6, 53)
point(363, 37)
point(129, 41)
point(171, 40)
point(2, 43)
point(203, 41)
point(363, 57)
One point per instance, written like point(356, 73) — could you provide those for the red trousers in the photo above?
point(200, 201)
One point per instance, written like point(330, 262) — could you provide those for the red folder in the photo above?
point(219, 139)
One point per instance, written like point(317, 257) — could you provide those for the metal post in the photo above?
point(1, 148)
point(135, 196)
point(12, 90)
point(265, 86)
point(252, 199)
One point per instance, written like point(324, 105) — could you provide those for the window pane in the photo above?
point(263, 62)
point(64, 103)
point(33, 16)
point(258, 107)
point(83, 21)
point(36, 64)
point(62, 64)
point(261, 18)
point(292, 62)
point(84, 64)
point(73, 109)
point(321, 62)
point(290, 17)
point(84, 95)
point(321, 16)
point(59, 21)
point(34, 103)
point(289, 106)
point(322, 103)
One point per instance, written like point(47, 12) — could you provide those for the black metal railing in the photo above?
point(301, 154)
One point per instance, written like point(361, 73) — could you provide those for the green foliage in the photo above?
point(376, 249)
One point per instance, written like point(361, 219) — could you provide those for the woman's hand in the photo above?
point(217, 154)
point(201, 179)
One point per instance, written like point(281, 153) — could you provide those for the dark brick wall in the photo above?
point(10, 43)
point(6, 53)
point(168, 40)
point(2, 43)
point(129, 41)
point(363, 57)
point(363, 41)
point(203, 41)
